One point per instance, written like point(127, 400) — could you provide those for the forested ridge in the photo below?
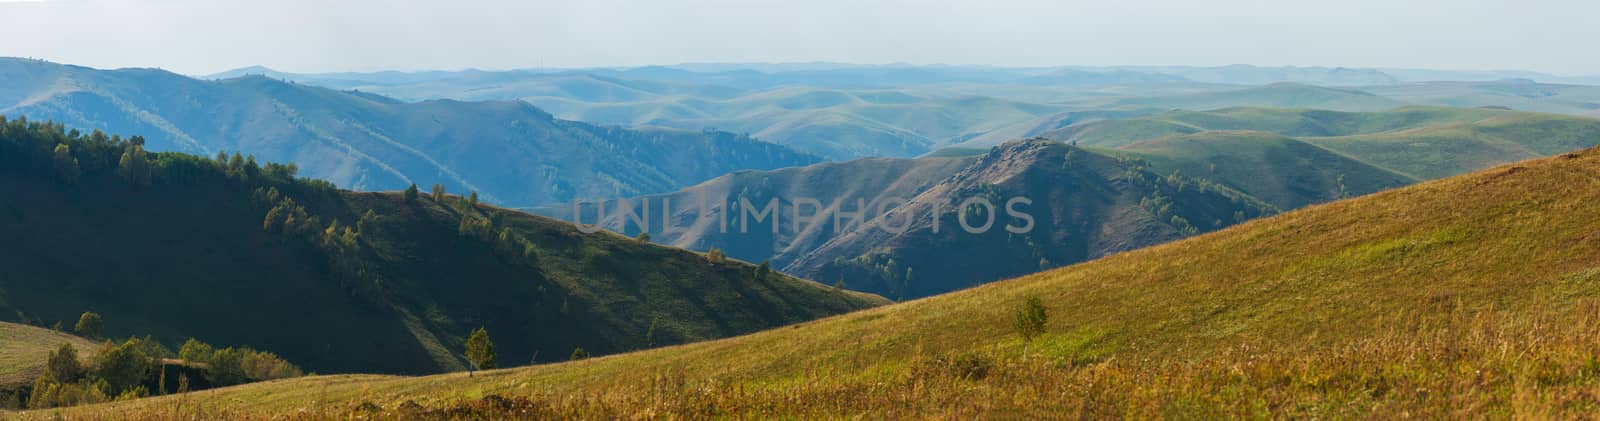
point(243, 252)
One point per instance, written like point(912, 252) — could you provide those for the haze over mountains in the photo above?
point(511, 152)
point(848, 111)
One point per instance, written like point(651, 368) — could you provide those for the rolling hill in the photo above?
point(173, 245)
point(835, 124)
point(370, 142)
point(1475, 294)
point(23, 352)
point(1293, 122)
point(1417, 142)
point(1284, 172)
point(1518, 94)
point(1439, 151)
point(1275, 95)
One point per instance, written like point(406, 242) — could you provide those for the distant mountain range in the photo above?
point(840, 112)
point(509, 151)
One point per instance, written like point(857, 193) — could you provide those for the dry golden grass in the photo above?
point(1474, 296)
point(23, 350)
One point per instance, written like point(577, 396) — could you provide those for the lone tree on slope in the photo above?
point(1030, 320)
point(89, 324)
point(480, 350)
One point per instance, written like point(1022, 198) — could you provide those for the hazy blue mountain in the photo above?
point(1517, 94)
point(844, 111)
point(509, 151)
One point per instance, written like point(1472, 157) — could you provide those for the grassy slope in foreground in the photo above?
point(24, 348)
point(1475, 294)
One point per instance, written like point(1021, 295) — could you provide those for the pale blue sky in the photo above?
point(204, 36)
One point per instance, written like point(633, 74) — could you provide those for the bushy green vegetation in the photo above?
point(138, 367)
point(1468, 297)
point(1417, 142)
point(341, 281)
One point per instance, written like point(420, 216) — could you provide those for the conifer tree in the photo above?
point(411, 194)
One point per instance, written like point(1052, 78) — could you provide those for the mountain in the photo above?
point(1470, 295)
point(1079, 206)
point(841, 111)
point(1276, 95)
point(835, 124)
point(1244, 74)
point(696, 213)
point(1279, 159)
point(175, 246)
point(838, 221)
point(1043, 125)
point(509, 151)
point(1114, 77)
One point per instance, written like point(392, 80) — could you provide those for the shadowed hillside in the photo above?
point(177, 246)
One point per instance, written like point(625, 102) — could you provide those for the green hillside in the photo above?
point(178, 246)
point(1416, 142)
point(1475, 295)
point(1517, 94)
point(1293, 122)
point(1284, 172)
point(1444, 150)
point(510, 152)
